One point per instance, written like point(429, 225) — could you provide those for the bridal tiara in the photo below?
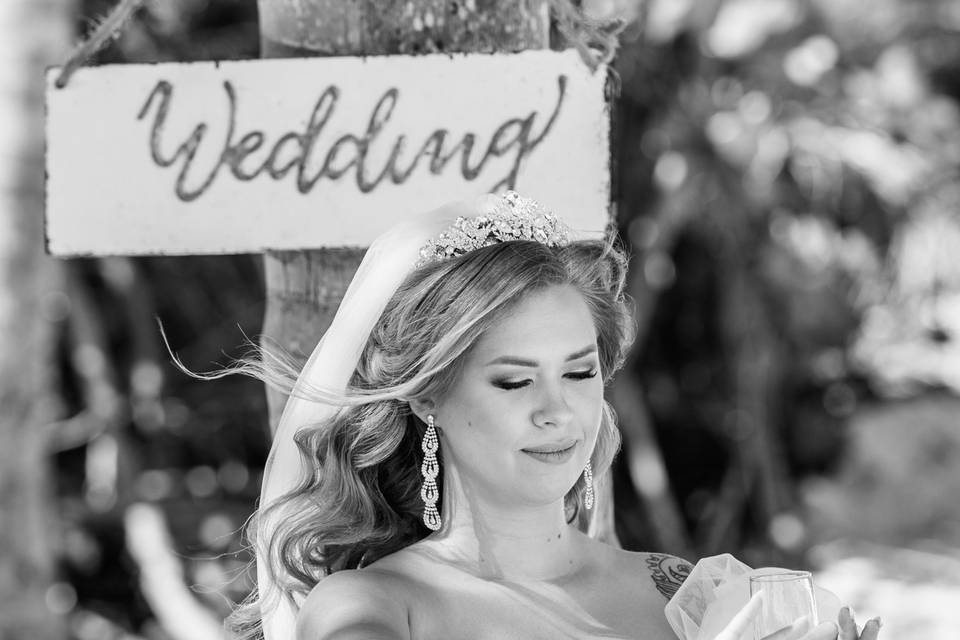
point(509, 217)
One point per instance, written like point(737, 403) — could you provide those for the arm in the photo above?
point(354, 605)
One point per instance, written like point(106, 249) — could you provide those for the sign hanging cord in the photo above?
point(595, 40)
point(108, 28)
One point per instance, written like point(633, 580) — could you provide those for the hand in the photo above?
point(800, 630)
point(848, 627)
point(844, 629)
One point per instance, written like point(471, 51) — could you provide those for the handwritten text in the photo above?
point(301, 150)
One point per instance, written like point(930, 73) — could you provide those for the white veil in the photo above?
point(386, 264)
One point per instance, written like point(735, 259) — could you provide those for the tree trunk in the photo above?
point(35, 34)
point(760, 467)
point(304, 288)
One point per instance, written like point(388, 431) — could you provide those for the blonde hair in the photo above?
point(360, 499)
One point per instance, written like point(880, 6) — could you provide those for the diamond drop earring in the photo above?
point(430, 468)
point(588, 479)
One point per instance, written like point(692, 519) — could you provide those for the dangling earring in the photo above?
point(430, 468)
point(588, 479)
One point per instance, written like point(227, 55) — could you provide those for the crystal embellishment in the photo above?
point(512, 217)
point(588, 480)
point(430, 468)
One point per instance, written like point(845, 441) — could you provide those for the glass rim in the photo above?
point(782, 576)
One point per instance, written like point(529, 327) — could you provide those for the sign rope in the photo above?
point(107, 28)
point(595, 40)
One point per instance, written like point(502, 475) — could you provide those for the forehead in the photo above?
point(555, 320)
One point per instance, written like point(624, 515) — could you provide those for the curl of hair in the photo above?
point(360, 498)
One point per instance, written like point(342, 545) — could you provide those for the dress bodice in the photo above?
point(448, 602)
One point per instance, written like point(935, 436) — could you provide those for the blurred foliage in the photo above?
point(810, 148)
point(193, 449)
point(785, 175)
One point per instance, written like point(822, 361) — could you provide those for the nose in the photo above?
point(552, 409)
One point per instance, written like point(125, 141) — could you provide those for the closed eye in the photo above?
point(511, 385)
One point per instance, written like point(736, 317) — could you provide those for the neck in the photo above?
point(497, 541)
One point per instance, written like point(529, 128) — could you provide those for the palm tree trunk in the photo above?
point(304, 288)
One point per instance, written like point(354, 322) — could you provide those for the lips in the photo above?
point(553, 453)
point(552, 447)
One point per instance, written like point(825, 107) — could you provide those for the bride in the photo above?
point(440, 446)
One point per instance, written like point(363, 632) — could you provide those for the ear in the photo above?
point(422, 407)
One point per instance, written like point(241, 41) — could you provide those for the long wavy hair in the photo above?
point(360, 499)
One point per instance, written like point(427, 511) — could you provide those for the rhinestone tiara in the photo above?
point(511, 217)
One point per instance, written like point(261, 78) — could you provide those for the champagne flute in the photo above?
point(787, 597)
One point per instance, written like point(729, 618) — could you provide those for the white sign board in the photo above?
point(237, 157)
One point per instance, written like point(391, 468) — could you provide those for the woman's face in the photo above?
point(530, 387)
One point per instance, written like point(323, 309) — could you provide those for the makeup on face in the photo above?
point(526, 409)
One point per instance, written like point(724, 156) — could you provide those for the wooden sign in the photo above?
point(237, 157)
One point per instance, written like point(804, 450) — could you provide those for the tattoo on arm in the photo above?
point(668, 572)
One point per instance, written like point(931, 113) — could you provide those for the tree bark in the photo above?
point(304, 288)
point(35, 34)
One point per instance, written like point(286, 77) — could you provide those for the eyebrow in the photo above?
point(524, 362)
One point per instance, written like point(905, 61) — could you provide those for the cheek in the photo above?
point(590, 391)
point(591, 403)
point(476, 420)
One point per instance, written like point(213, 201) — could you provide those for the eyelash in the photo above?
point(575, 375)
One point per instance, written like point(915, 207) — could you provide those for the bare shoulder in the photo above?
point(355, 604)
point(660, 571)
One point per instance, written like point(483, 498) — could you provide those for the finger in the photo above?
point(823, 631)
point(799, 631)
point(871, 630)
point(742, 620)
point(794, 631)
point(848, 628)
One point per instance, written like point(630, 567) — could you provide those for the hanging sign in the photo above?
point(237, 157)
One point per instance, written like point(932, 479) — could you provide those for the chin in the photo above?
point(551, 494)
